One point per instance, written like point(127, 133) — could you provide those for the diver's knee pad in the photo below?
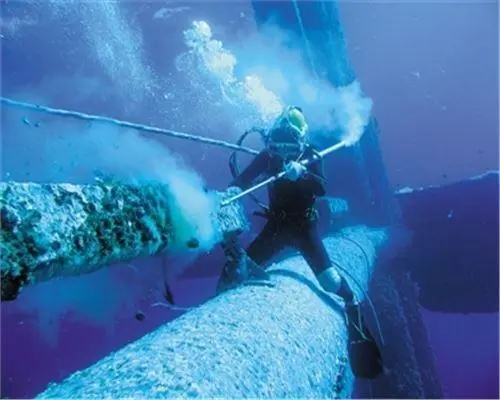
point(330, 280)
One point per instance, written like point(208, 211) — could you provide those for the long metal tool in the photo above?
point(273, 178)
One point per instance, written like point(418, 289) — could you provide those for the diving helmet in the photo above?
point(289, 131)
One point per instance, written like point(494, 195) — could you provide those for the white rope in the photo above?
point(124, 124)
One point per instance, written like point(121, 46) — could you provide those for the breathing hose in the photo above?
point(233, 163)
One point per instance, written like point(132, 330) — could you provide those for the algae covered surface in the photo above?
point(66, 229)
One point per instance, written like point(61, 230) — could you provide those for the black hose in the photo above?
point(233, 163)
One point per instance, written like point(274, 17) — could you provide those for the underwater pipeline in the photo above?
point(253, 341)
point(52, 230)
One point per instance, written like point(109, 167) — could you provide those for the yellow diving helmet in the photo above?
point(289, 131)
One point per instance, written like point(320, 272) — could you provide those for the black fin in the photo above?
point(364, 353)
point(257, 274)
point(241, 271)
point(366, 359)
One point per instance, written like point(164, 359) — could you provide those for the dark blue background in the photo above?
point(431, 69)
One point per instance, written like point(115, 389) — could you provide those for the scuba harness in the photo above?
point(287, 135)
point(264, 211)
point(235, 171)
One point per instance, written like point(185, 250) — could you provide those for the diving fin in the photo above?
point(257, 274)
point(239, 268)
point(364, 353)
point(242, 270)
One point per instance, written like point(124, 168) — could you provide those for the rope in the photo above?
point(304, 36)
point(369, 300)
point(124, 124)
point(360, 287)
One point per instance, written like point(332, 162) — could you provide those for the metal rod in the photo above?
point(273, 178)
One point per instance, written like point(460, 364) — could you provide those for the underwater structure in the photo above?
point(290, 340)
point(246, 342)
point(465, 264)
point(53, 230)
point(364, 185)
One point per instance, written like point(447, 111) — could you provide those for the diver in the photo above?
point(292, 222)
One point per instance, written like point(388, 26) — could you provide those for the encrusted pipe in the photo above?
point(51, 230)
point(253, 341)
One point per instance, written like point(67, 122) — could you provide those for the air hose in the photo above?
point(233, 162)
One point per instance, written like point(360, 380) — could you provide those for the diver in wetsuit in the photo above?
point(291, 215)
point(292, 222)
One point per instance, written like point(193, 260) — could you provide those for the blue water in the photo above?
point(428, 72)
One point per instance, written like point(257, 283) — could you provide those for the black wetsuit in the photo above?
point(292, 222)
point(292, 218)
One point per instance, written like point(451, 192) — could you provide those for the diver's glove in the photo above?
point(294, 170)
point(231, 191)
